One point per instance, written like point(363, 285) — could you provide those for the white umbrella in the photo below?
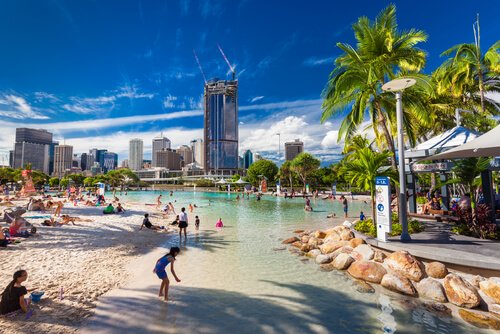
point(221, 181)
point(240, 181)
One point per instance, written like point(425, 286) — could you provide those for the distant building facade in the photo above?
point(147, 164)
point(221, 126)
point(125, 163)
point(135, 154)
point(110, 161)
point(159, 143)
point(186, 154)
point(33, 146)
point(248, 159)
point(63, 159)
point(198, 151)
point(293, 148)
point(83, 161)
point(168, 158)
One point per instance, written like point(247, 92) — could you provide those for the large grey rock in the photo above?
point(313, 253)
point(323, 259)
point(342, 261)
point(429, 288)
point(363, 252)
point(398, 284)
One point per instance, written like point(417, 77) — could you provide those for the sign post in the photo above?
point(383, 207)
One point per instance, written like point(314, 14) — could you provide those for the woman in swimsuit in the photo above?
point(159, 270)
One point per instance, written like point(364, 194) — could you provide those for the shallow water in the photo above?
point(242, 278)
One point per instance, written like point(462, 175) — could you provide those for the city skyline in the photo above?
point(149, 82)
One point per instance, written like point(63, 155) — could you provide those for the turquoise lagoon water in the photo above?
point(245, 281)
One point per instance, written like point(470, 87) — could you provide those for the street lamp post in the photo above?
point(397, 86)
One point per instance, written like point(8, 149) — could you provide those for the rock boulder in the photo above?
point(313, 253)
point(319, 234)
point(329, 247)
point(355, 242)
point(346, 235)
point(491, 288)
point(404, 264)
point(363, 252)
point(323, 259)
point(290, 240)
point(429, 288)
point(398, 284)
point(436, 270)
point(460, 292)
point(342, 261)
point(479, 319)
point(367, 271)
point(379, 256)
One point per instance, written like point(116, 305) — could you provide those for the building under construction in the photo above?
point(221, 127)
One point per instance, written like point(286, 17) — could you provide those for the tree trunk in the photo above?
point(481, 88)
point(387, 135)
point(373, 212)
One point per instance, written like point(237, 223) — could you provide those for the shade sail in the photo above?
point(487, 145)
point(448, 139)
point(240, 181)
point(221, 181)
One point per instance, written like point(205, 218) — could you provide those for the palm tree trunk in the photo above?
point(481, 88)
point(387, 134)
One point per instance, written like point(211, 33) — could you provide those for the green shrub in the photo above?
point(461, 229)
point(204, 183)
point(366, 227)
point(421, 200)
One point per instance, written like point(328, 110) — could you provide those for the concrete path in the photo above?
point(438, 243)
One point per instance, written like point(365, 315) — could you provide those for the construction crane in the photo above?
point(231, 68)
point(199, 66)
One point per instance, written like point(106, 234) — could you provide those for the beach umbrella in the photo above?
point(240, 181)
point(221, 181)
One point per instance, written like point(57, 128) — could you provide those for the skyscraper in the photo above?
point(293, 148)
point(198, 151)
point(83, 161)
point(109, 161)
point(248, 159)
point(168, 158)
point(33, 146)
point(221, 126)
point(135, 154)
point(159, 143)
point(63, 159)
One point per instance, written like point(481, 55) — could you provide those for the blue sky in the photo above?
point(98, 73)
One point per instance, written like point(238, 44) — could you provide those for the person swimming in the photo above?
point(219, 223)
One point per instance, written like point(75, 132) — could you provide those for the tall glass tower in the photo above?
point(221, 126)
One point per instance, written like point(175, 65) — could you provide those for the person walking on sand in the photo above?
point(158, 202)
point(59, 207)
point(183, 223)
point(159, 270)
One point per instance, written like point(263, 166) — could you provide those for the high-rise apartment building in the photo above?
point(186, 154)
point(63, 159)
point(221, 126)
point(198, 151)
point(33, 146)
point(159, 143)
point(168, 158)
point(248, 159)
point(135, 154)
point(293, 148)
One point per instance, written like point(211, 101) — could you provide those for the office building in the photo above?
point(221, 126)
point(168, 158)
point(241, 163)
point(76, 161)
point(198, 151)
point(257, 157)
point(293, 148)
point(109, 161)
point(63, 159)
point(83, 161)
point(11, 158)
point(159, 143)
point(146, 164)
point(98, 156)
point(186, 154)
point(248, 159)
point(125, 164)
point(35, 147)
point(135, 153)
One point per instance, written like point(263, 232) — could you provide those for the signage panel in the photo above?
point(383, 212)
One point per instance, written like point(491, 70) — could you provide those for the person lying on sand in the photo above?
point(147, 223)
point(63, 220)
point(110, 209)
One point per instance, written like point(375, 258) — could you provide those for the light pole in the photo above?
point(397, 86)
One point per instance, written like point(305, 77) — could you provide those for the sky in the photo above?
point(99, 73)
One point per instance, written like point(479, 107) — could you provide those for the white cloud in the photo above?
point(169, 101)
point(257, 98)
point(330, 139)
point(313, 61)
point(17, 107)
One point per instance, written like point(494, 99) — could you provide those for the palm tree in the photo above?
point(467, 172)
point(365, 167)
point(382, 53)
point(470, 72)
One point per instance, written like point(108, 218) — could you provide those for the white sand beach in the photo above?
point(83, 261)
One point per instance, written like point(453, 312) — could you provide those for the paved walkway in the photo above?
point(439, 244)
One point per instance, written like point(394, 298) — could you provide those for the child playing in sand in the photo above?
point(219, 223)
point(362, 216)
point(159, 270)
point(13, 295)
point(147, 223)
